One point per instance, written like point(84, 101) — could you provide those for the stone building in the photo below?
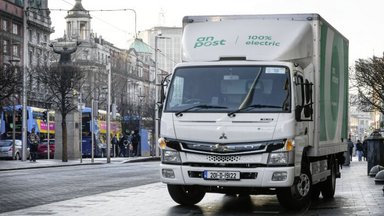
point(37, 32)
point(131, 87)
point(38, 51)
point(11, 31)
point(168, 45)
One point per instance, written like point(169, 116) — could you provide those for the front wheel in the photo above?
point(186, 195)
point(298, 195)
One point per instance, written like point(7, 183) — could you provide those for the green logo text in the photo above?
point(261, 40)
point(208, 42)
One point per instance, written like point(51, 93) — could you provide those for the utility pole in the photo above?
point(24, 102)
point(109, 112)
point(157, 102)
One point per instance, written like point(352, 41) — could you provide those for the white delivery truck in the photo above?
point(258, 106)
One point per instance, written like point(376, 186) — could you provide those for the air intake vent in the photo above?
point(223, 159)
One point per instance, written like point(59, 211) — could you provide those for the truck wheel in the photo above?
point(186, 195)
point(329, 185)
point(298, 195)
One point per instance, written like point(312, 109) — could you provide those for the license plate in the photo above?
point(221, 175)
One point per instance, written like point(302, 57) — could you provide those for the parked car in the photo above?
point(6, 147)
point(42, 149)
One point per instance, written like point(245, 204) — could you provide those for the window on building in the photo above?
point(15, 29)
point(30, 35)
point(45, 60)
point(5, 47)
point(83, 30)
point(16, 50)
point(38, 37)
point(30, 58)
point(4, 26)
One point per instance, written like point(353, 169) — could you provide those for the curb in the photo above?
point(142, 160)
point(63, 164)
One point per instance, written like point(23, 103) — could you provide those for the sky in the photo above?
point(361, 22)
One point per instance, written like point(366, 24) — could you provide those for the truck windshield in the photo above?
point(230, 89)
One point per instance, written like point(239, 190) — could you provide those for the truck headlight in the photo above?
point(170, 156)
point(278, 158)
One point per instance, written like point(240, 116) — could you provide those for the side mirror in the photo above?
point(308, 111)
point(298, 111)
point(308, 92)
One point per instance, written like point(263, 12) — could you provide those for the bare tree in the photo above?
point(368, 80)
point(11, 80)
point(63, 82)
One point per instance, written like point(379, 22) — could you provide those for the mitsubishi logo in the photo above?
point(223, 136)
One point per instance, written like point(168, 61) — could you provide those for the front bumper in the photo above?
point(263, 179)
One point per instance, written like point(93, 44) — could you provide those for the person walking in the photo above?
point(33, 142)
point(135, 142)
point(350, 146)
point(114, 142)
point(359, 150)
point(122, 146)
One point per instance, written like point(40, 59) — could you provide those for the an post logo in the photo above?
point(208, 42)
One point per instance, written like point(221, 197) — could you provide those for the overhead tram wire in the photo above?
point(108, 10)
point(99, 10)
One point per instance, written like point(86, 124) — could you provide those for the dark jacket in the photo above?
point(359, 146)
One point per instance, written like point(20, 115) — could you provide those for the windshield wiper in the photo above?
point(201, 106)
point(252, 106)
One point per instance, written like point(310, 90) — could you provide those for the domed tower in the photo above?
point(78, 23)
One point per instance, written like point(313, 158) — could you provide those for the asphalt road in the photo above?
point(21, 189)
point(134, 189)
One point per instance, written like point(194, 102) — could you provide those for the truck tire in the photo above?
point(329, 186)
point(298, 195)
point(186, 195)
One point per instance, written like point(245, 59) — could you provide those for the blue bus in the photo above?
point(35, 119)
point(98, 127)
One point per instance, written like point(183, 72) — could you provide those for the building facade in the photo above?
point(11, 31)
point(130, 69)
point(36, 32)
point(168, 45)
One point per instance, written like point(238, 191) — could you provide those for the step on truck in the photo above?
point(259, 105)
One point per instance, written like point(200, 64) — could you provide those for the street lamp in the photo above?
point(109, 112)
point(24, 102)
point(141, 98)
point(157, 84)
point(13, 63)
point(130, 9)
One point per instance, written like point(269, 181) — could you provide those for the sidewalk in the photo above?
point(6, 165)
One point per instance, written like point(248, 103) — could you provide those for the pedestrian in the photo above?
point(114, 142)
point(125, 143)
point(33, 142)
point(359, 150)
point(350, 146)
point(365, 148)
point(122, 141)
point(135, 142)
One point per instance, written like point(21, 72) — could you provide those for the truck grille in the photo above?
point(223, 159)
